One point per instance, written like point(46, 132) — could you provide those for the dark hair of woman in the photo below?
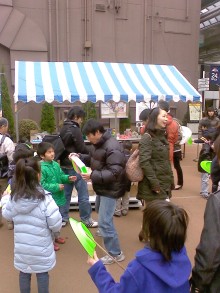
point(164, 227)
point(26, 183)
point(152, 120)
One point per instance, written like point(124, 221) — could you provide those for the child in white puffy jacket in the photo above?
point(36, 217)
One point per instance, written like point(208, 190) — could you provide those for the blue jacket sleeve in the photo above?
point(106, 284)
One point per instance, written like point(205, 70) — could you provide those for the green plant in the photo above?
point(7, 111)
point(25, 126)
point(124, 123)
point(90, 111)
point(47, 122)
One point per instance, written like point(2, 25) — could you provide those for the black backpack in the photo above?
point(57, 142)
point(3, 161)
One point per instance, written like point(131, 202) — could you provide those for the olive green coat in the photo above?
point(154, 160)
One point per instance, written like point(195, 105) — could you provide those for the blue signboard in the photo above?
point(214, 75)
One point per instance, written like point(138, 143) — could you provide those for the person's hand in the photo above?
point(85, 176)
point(72, 178)
point(73, 154)
point(61, 186)
point(92, 260)
point(156, 189)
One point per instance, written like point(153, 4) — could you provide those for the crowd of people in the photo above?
point(37, 205)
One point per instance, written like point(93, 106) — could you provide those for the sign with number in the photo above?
point(215, 74)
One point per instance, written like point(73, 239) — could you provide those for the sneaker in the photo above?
point(107, 260)
point(117, 214)
point(10, 225)
point(204, 195)
point(91, 224)
point(124, 212)
point(56, 247)
point(64, 224)
point(98, 233)
point(60, 240)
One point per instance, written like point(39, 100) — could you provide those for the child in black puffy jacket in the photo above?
point(122, 204)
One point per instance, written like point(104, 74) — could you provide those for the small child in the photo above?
point(206, 154)
point(122, 204)
point(52, 180)
point(162, 266)
point(35, 216)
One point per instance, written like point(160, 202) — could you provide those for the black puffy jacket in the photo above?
point(107, 162)
point(206, 272)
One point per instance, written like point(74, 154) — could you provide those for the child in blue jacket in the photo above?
point(162, 265)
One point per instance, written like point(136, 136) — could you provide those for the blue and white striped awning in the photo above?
point(100, 81)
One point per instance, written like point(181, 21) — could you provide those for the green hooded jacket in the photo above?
point(51, 176)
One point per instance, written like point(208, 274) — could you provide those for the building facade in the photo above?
point(133, 31)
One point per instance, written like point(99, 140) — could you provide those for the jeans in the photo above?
point(204, 183)
point(62, 210)
point(85, 208)
point(176, 163)
point(42, 282)
point(105, 206)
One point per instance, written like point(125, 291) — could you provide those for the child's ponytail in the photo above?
point(26, 183)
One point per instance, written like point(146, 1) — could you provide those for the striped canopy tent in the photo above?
point(100, 81)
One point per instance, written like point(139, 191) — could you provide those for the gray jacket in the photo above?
point(34, 222)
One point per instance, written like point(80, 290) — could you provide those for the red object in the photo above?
point(60, 240)
point(56, 247)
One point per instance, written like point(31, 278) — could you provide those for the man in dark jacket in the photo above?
point(107, 162)
point(74, 143)
point(206, 272)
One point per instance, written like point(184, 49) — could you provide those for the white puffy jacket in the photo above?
point(34, 222)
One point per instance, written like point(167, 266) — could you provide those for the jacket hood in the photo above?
point(26, 205)
point(106, 135)
point(70, 123)
point(174, 273)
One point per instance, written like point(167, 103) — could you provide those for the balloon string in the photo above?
point(105, 252)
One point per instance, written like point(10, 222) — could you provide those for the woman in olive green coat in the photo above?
point(154, 159)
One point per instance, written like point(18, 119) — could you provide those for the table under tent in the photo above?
point(99, 81)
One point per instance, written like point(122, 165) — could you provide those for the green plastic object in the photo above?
point(206, 166)
point(189, 141)
point(84, 236)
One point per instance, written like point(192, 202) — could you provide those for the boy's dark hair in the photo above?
point(127, 145)
point(92, 126)
point(75, 112)
point(164, 227)
point(43, 147)
point(144, 115)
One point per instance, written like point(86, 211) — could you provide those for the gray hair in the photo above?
point(3, 122)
